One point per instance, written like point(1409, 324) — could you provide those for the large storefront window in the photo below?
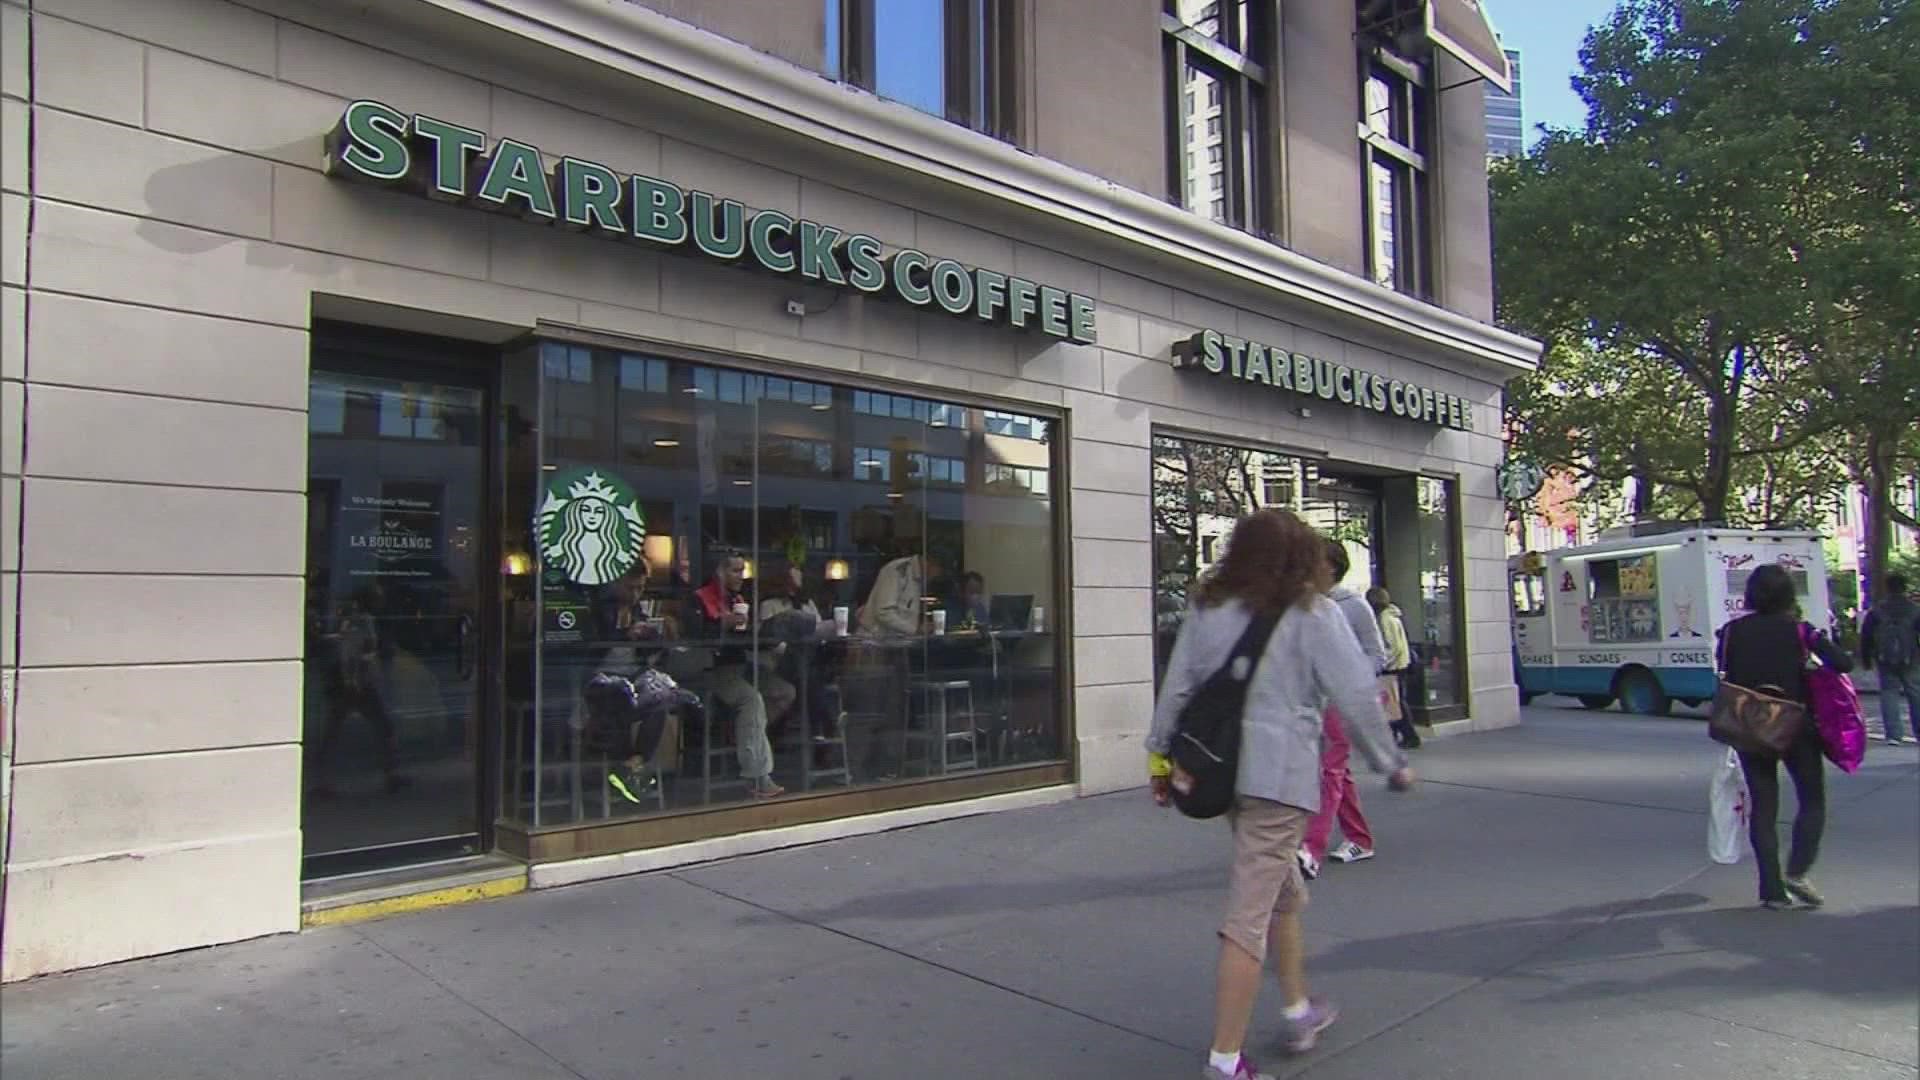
point(850, 588)
point(1400, 533)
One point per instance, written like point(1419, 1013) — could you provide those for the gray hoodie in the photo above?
point(1311, 662)
point(1366, 629)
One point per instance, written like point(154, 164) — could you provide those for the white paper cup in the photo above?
point(741, 611)
point(939, 622)
point(840, 617)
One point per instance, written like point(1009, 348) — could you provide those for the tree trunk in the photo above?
point(1717, 480)
point(1879, 538)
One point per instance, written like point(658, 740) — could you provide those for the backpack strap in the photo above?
point(1253, 643)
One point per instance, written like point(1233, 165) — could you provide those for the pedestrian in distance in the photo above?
point(1890, 641)
point(1275, 566)
point(1393, 634)
point(1762, 650)
point(1339, 799)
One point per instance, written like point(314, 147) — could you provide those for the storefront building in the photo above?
point(391, 396)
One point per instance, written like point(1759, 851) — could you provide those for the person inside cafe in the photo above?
point(968, 609)
point(790, 618)
point(893, 624)
point(722, 618)
point(896, 605)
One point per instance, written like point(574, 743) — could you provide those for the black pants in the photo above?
point(1805, 766)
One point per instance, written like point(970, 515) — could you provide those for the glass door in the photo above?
point(394, 649)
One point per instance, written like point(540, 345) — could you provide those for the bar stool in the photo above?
point(942, 727)
point(715, 716)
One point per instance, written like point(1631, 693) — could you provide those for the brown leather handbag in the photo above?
point(1753, 720)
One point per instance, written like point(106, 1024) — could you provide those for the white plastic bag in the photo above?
point(1727, 810)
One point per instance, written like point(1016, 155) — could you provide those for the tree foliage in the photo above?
point(1725, 261)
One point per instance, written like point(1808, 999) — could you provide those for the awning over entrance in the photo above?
point(1462, 28)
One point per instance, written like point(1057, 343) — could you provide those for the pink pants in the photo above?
point(1338, 797)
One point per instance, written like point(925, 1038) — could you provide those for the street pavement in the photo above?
point(1542, 906)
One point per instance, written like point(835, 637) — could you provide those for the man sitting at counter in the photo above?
point(969, 610)
point(720, 613)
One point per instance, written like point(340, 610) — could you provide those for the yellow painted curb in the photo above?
point(420, 901)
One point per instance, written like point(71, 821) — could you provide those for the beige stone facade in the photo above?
point(170, 238)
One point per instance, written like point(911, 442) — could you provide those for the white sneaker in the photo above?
point(1350, 852)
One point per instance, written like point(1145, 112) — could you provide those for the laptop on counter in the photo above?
point(1010, 612)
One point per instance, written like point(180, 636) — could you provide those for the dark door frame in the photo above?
point(388, 354)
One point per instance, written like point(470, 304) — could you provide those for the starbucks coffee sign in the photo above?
point(378, 144)
point(1211, 352)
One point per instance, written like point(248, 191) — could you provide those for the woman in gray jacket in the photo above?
point(1275, 563)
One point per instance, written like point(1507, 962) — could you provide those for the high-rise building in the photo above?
point(1506, 123)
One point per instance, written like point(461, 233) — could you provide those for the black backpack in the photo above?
point(1895, 645)
point(1206, 744)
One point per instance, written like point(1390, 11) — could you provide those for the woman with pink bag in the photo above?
point(1764, 650)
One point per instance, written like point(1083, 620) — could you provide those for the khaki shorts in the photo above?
point(1266, 878)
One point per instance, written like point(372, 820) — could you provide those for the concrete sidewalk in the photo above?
point(1542, 907)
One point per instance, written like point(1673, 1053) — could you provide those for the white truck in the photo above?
point(1633, 617)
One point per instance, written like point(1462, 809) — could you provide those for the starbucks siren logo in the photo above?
point(591, 527)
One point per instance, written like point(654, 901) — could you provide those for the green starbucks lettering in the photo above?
point(375, 143)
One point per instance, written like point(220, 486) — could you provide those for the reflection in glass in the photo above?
point(852, 586)
point(1205, 133)
point(1199, 490)
point(909, 53)
point(1432, 629)
point(392, 642)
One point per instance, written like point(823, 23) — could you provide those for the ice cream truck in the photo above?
point(1633, 617)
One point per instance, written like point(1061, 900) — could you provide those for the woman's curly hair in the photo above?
point(1274, 561)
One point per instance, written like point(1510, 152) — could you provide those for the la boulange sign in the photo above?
point(378, 144)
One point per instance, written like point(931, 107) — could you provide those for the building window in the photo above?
point(1395, 135)
point(1217, 98)
point(951, 58)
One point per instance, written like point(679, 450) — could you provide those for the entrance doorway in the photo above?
point(397, 661)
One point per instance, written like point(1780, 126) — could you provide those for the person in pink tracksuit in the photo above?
point(1339, 800)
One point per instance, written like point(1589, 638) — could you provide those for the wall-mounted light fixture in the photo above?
point(836, 569)
point(658, 551)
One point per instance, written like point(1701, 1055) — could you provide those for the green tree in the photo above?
point(1722, 261)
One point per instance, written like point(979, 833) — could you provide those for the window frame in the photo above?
point(1247, 91)
point(981, 78)
point(1409, 161)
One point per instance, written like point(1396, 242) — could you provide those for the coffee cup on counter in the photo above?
point(939, 622)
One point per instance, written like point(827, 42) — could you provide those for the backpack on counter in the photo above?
point(1206, 744)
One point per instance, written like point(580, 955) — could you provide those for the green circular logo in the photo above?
point(590, 527)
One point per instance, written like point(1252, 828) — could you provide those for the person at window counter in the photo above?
point(791, 619)
point(896, 606)
point(968, 609)
point(721, 614)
